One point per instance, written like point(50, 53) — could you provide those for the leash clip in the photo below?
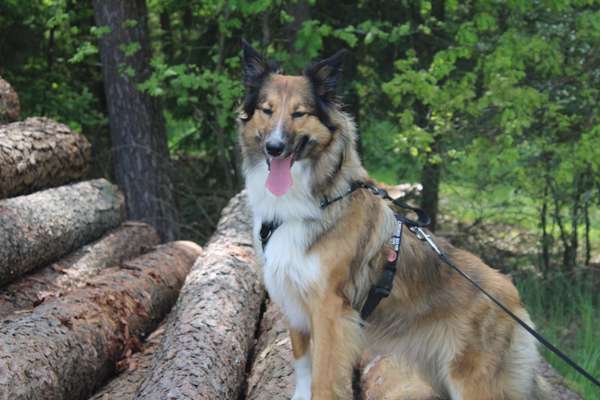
point(422, 235)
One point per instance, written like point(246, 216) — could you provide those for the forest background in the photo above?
point(492, 106)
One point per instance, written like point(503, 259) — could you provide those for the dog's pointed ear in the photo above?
point(254, 66)
point(324, 75)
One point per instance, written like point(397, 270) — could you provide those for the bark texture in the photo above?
point(65, 348)
point(211, 331)
point(9, 103)
point(39, 153)
point(272, 373)
point(39, 228)
point(124, 386)
point(137, 127)
point(128, 241)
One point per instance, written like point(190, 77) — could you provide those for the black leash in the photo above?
point(384, 285)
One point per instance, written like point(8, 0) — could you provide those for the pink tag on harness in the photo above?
point(391, 256)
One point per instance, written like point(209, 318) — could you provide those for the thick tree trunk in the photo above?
point(40, 228)
point(430, 179)
point(211, 331)
point(39, 153)
point(67, 347)
point(272, 373)
point(124, 386)
point(10, 107)
point(300, 11)
point(75, 270)
point(137, 127)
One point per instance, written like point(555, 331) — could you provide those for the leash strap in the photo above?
point(422, 217)
point(422, 235)
point(384, 285)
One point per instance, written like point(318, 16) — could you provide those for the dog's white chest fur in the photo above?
point(289, 271)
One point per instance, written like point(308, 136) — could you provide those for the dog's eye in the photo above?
point(298, 114)
point(267, 111)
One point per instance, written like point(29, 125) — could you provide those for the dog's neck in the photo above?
point(336, 169)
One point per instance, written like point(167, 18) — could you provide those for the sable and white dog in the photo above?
point(298, 147)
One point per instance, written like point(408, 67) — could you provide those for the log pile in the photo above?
point(80, 288)
point(62, 349)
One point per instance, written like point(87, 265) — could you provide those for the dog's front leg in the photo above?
point(335, 348)
point(302, 367)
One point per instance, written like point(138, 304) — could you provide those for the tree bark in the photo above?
point(39, 228)
point(272, 374)
point(65, 348)
point(75, 270)
point(430, 179)
point(300, 11)
point(124, 386)
point(39, 153)
point(210, 333)
point(10, 107)
point(137, 126)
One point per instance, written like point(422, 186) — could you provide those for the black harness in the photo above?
point(383, 287)
point(384, 284)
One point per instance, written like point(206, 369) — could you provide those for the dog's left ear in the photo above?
point(324, 75)
point(254, 67)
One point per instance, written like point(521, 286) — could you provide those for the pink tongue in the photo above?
point(279, 180)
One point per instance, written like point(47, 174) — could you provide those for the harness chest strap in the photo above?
point(385, 283)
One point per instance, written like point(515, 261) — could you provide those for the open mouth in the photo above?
point(279, 180)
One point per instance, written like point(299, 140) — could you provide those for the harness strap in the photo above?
point(422, 217)
point(266, 231)
point(384, 285)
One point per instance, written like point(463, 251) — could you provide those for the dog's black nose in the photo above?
point(275, 148)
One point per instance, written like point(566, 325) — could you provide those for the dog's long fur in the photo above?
point(320, 263)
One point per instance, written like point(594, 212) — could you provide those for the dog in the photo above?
point(299, 147)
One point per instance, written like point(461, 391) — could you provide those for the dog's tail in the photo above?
point(542, 390)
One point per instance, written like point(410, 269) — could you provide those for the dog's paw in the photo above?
point(301, 396)
point(302, 391)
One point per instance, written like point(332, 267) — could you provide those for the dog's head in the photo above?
point(286, 118)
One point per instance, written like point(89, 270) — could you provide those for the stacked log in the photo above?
point(39, 153)
point(124, 386)
point(65, 348)
point(272, 374)
point(9, 103)
point(39, 228)
point(129, 240)
point(210, 333)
